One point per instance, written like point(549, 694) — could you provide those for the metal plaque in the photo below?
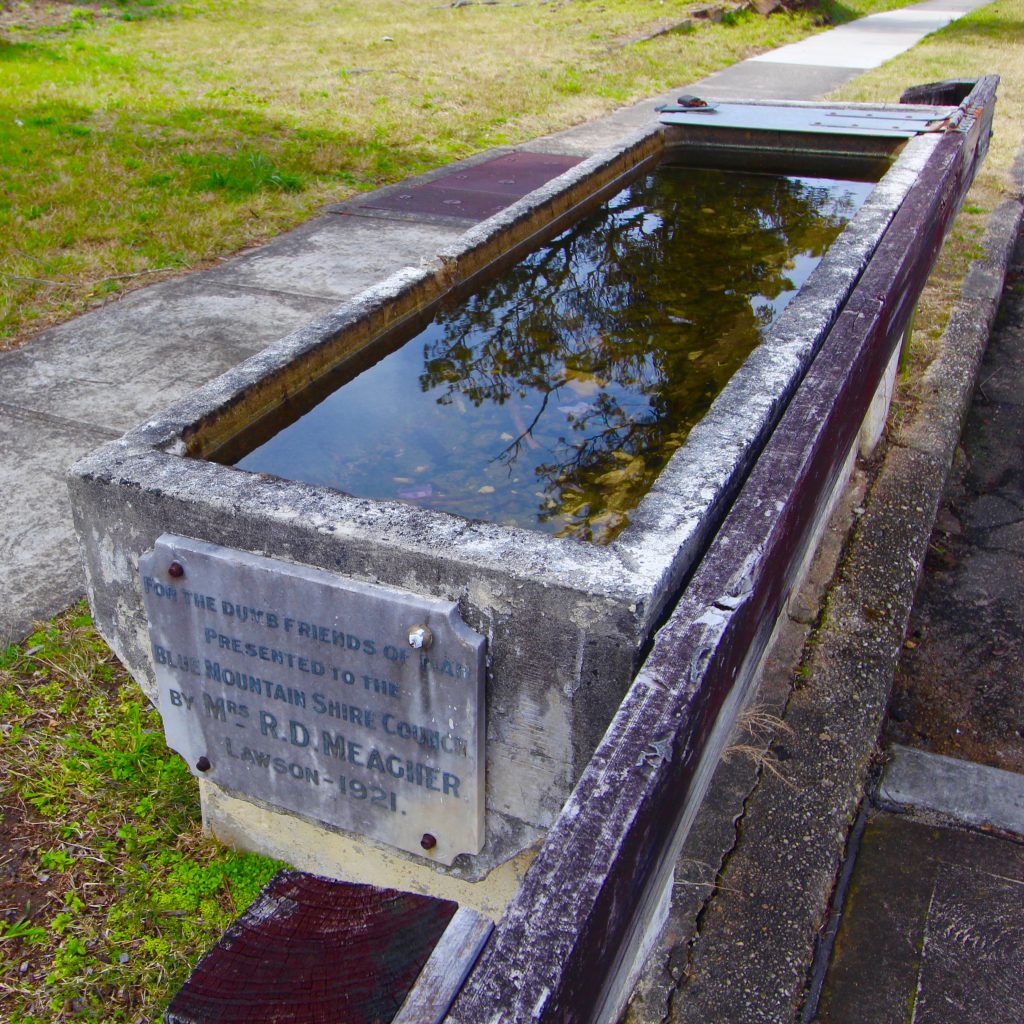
point(357, 705)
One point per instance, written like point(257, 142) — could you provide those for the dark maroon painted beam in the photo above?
point(476, 192)
point(949, 93)
point(565, 932)
point(310, 950)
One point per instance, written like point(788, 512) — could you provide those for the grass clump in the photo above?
point(241, 174)
point(144, 138)
point(110, 890)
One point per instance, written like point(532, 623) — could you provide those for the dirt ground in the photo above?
point(42, 13)
point(28, 895)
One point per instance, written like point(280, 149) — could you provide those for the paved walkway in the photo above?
point(87, 381)
point(784, 913)
point(932, 928)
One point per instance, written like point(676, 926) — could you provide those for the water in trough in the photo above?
point(553, 395)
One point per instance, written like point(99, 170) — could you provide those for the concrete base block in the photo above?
point(246, 825)
point(973, 794)
point(565, 623)
point(878, 412)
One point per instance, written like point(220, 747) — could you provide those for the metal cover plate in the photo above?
point(514, 174)
point(821, 120)
point(477, 192)
point(438, 201)
point(301, 689)
point(310, 949)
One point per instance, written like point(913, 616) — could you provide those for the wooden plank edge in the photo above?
point(443, 974)
point(578, 901)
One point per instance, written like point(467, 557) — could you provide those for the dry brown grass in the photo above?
point(129, 145)
point(756, 729)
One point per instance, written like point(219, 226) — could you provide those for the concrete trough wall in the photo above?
point(566, 623)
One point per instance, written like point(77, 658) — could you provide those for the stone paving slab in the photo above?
point(870, 42)
point(760, 80)
point(120, 365)
point(41, 574)
point(336, 256)
point(972, 960)
point(974, 794)
point(933, 931)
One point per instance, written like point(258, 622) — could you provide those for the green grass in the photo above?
point(112, 891)
point(988, 41)
point(133, 145)
point(140, 139)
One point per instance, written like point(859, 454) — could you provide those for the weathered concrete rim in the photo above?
point(598, 606)
point(722, 446)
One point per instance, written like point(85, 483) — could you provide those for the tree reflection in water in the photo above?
point(554, 395)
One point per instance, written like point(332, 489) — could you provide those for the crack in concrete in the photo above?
point(717, 885)
point(294, 293)
point(58, 421)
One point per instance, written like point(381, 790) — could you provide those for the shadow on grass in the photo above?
point(837, 13)
point(988, 25)
point(65, 17)
point(93, 199)
point(10, 50)
point(234, 151)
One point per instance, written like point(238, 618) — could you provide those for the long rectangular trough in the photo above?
point(383, 692)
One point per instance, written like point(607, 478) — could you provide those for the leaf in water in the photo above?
point(415, 493)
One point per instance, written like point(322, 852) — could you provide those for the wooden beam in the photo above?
point(444, 973)
point(311, 949)
point(560, 944)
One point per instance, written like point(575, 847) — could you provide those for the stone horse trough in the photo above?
point(389, 646)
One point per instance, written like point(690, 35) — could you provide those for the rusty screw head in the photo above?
point(428, 842)
point(175, 570)
point(420, 637)
point(203, 764)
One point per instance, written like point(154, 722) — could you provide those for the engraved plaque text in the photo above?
point(358, 705)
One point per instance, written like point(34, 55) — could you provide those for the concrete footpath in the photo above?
point(89, 380)
point(933, 916)
point(824, 879)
